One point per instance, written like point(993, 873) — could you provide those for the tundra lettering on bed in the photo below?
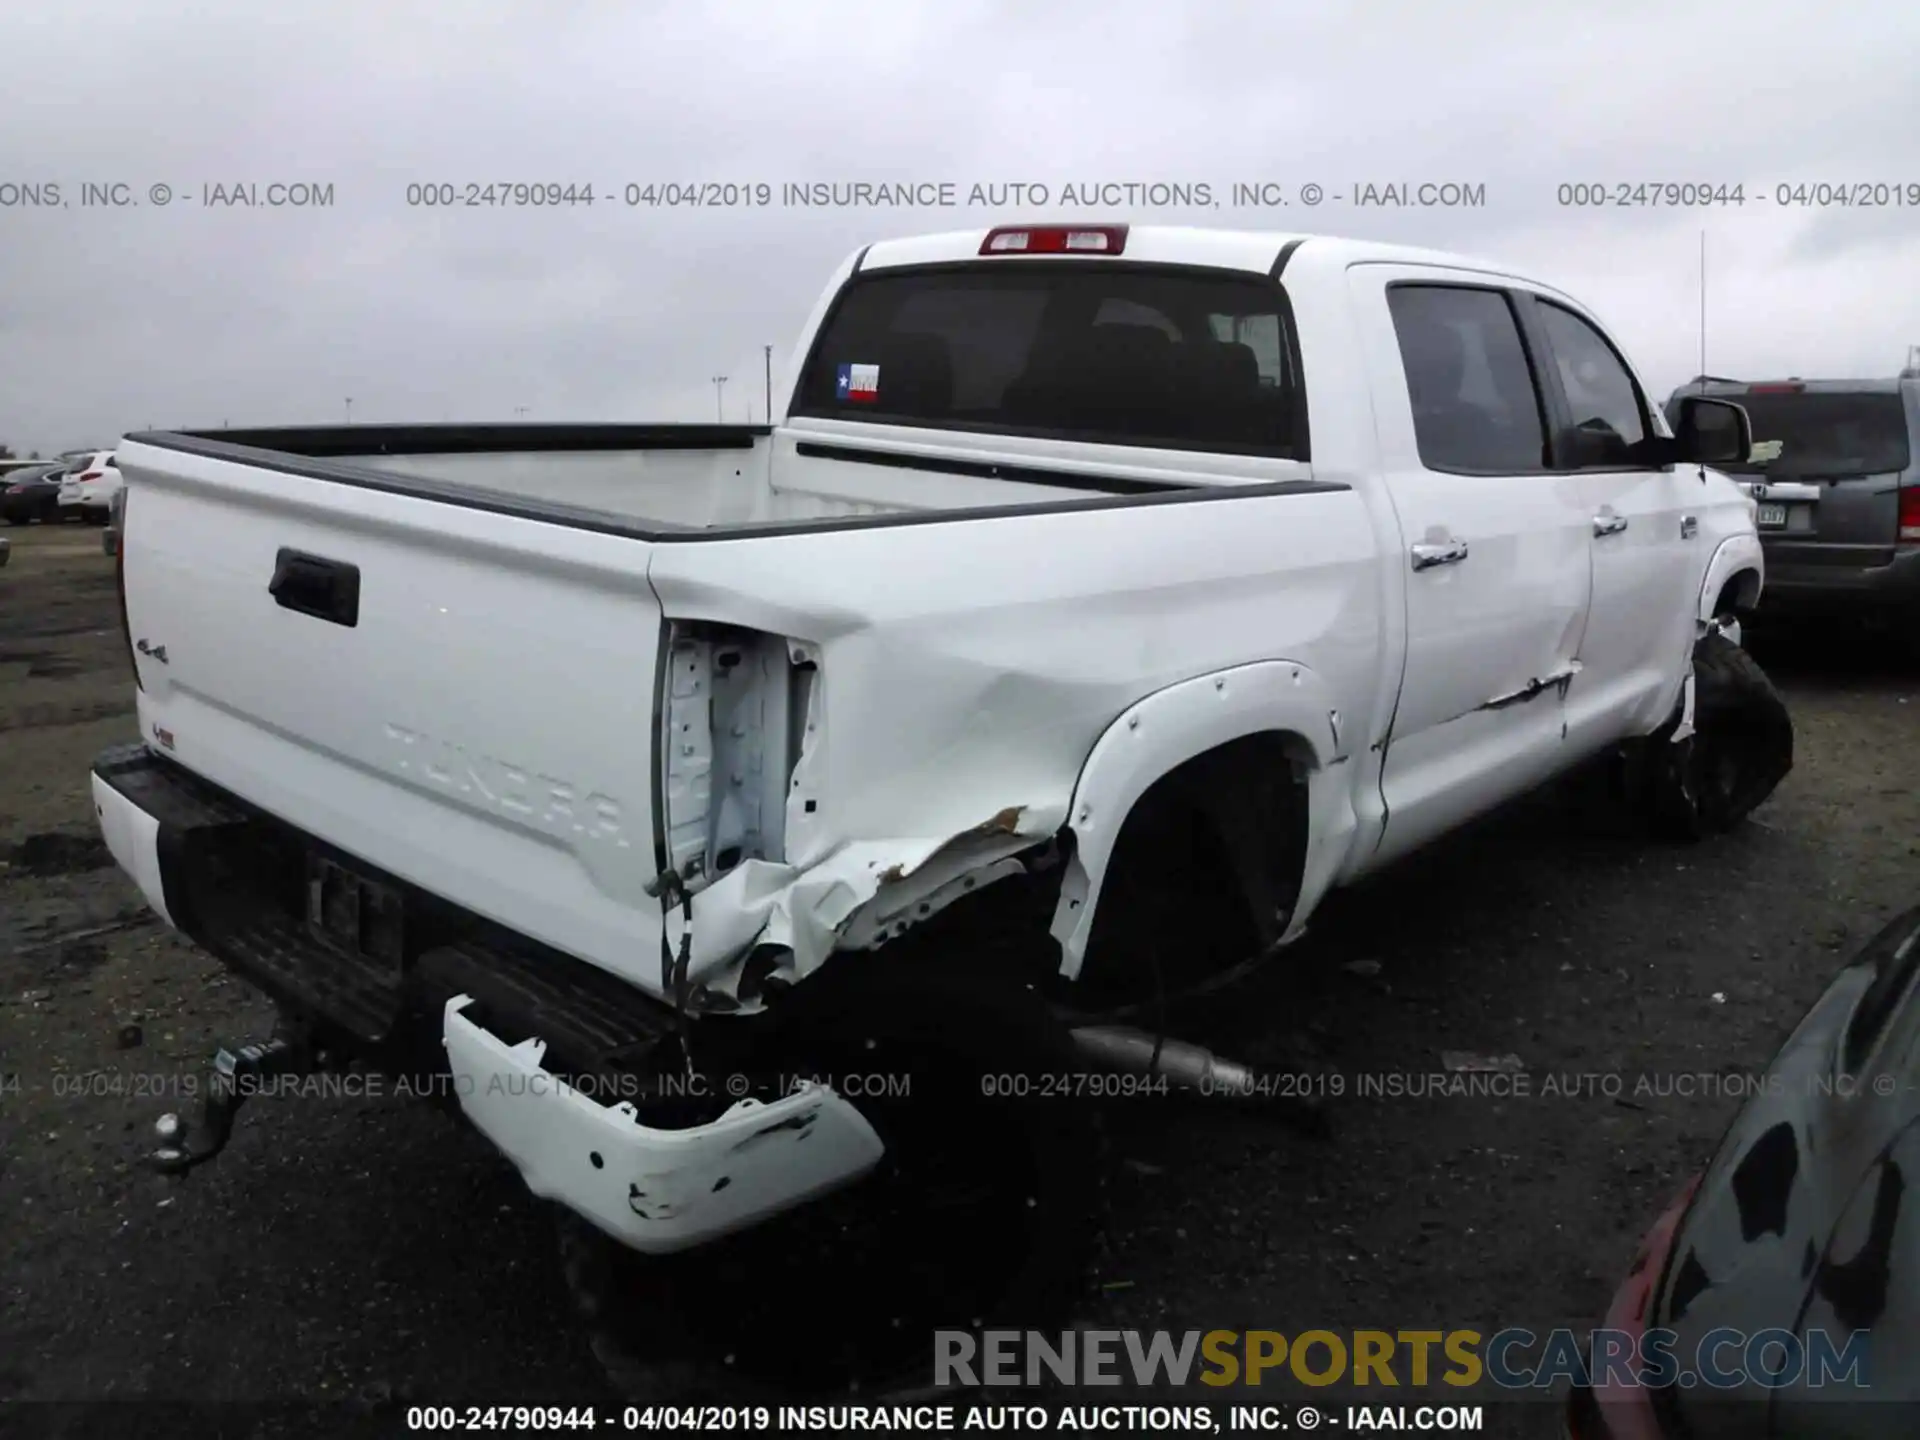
point(555, 805)
point(1104, 597)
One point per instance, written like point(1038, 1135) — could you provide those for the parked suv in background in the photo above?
point(92, 482)
point(1835, 473)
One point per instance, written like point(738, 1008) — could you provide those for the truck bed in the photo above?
point(667, 482)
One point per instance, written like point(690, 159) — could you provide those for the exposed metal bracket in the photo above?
point(1684, 729)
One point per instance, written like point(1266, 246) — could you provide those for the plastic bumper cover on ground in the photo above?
point(655, 1191)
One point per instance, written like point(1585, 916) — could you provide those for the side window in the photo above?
point(1609, 417)
point(1475, 405)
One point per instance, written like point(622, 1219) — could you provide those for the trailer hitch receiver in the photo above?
point(232, 1077)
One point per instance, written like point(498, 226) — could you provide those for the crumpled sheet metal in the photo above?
point(805, 911)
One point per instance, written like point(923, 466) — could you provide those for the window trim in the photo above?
point(1561, 407)
point(1542, 404)
point(1301, 452)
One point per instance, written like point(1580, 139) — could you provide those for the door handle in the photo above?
point(314, 585)
point(1609, 524)
point(1689, 526)
point(1448, 552)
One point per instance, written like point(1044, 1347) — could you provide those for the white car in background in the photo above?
point(90, 487)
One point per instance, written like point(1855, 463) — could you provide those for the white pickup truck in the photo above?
point(1104, 597)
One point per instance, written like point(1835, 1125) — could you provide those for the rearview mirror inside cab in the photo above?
point(1712, 432)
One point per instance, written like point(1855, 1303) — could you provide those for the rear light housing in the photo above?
point(90, 475)
point(1055, 240)
point(1909, 514)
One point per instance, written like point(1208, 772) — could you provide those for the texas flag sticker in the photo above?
point(859, 382)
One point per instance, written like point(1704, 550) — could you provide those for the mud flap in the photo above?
point(1725, 752)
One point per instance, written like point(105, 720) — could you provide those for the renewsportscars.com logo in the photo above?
point(1512, 1359)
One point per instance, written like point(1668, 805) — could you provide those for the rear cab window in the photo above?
point(1819, 434)
point(1100, 352)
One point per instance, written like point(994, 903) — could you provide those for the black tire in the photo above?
point(1740, 751)
point(842, 1295)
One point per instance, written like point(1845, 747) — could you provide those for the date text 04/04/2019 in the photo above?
point(835, 1419)
point(721, 195)
point(1702, 194)
point(942, 195)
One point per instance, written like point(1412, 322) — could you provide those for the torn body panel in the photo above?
point(858, 897)
point(1559, 678)
point(728, 748)
point(656, 1191)
point(748, 829)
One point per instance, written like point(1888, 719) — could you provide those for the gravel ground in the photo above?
point(373, 1252)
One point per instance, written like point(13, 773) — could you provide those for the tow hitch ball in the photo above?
point(233, 1076)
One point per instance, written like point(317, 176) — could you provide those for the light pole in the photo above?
point(719, 393)
point(518, 411)
point(349, 409)
point(769, 354)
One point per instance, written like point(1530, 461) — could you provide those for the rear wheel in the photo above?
point(981, 1212)
point(1740, 751)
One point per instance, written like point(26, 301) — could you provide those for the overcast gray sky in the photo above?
point(116, 317)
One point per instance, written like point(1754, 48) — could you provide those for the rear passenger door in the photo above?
point(1648, 560)
point(1496, 561)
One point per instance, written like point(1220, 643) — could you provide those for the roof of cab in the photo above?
point(1253, 250)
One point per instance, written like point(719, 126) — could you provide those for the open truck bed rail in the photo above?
point(364, 456)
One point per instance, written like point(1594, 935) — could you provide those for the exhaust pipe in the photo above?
point(1195, 1068)
point(1120, 1047)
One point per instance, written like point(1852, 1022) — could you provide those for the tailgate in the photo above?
point(1849, 523)
point(462, 698)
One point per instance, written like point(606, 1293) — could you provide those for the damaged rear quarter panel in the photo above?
point(968, 668)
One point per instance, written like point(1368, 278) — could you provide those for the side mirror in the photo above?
point(1711, 432)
